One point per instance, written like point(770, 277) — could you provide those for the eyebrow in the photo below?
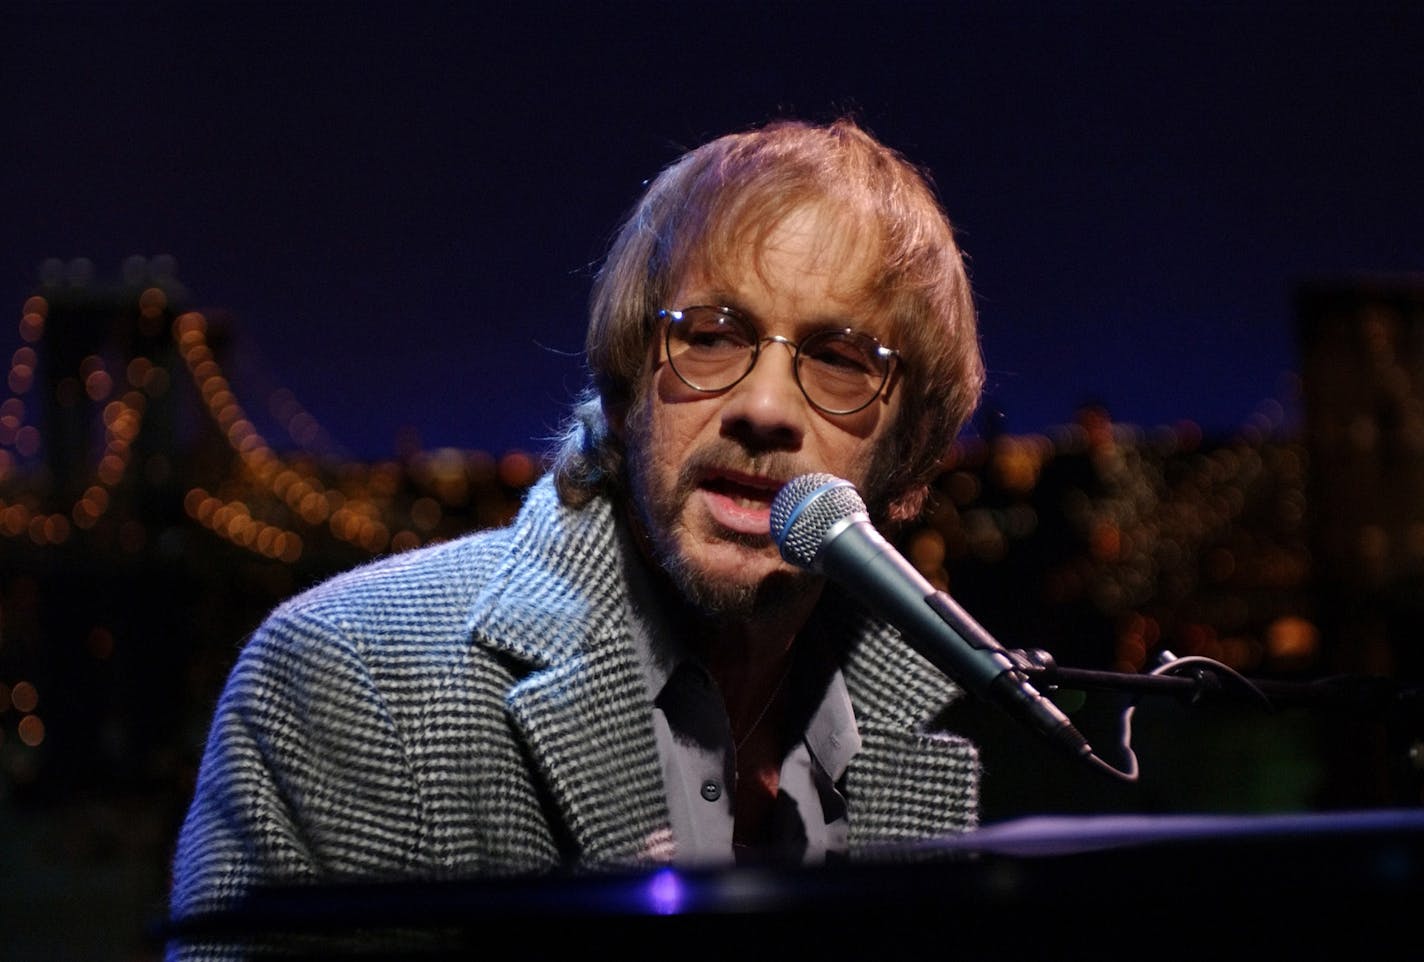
point(718, 297)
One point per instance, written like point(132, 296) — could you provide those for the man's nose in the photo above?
point(766, 409)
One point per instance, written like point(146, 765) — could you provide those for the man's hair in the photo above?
point(718, 201)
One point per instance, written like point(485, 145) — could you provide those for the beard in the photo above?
point(657, 505)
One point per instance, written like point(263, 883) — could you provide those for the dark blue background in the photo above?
point(400, 203)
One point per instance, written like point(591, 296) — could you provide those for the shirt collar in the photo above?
point(831, 734)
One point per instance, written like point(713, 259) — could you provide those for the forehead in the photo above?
point(814, 255)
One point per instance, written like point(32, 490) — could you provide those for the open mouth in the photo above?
point(745, 491)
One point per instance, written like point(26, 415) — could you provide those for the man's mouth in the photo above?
point(743, 490)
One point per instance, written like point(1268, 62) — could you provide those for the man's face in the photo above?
point(704, 468)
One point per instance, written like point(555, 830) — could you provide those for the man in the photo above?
point(630, 674)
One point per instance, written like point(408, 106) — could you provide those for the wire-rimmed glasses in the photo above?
point(840, 370)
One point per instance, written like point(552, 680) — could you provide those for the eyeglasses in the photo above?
point(840, 370)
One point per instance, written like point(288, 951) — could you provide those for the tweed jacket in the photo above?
point(477, 707)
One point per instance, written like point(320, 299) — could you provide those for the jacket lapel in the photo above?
point(582, 709)
point(908, 783)
point(587, 722)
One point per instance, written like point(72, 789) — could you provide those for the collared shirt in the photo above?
point(695, 746)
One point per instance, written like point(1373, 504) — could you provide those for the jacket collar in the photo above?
point(556, 606)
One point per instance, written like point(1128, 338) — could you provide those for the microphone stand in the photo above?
point(1196, 680)
point(1206, 680)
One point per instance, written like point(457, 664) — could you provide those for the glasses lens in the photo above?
point(841, 371)
point(709, 349)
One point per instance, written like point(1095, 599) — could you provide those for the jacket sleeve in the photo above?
point(304, 777)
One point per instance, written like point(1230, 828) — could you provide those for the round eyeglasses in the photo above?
point(840, 370)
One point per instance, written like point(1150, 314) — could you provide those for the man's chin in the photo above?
point(742, 586)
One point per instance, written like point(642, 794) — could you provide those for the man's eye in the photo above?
point(716, 337)
point(843, 357)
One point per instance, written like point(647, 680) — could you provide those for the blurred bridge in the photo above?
point(151, 513)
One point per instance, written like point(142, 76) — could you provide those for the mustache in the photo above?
point(725, 455)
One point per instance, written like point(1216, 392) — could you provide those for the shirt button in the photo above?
point(711, 790)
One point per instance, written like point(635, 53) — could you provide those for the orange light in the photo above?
point(405, 541)
point(32, 327)
point(56, 529)
point(31, 730)
point(1292, 641)
point(25, 697)
point(425, 513)
point(516, 469)
point(152, 302)
point(291, 548)
point(190, 323)
point(27, 440)
point(15, 519)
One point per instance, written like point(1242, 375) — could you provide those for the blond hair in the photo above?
point(714, 201)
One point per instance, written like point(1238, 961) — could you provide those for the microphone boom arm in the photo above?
point(983, 666)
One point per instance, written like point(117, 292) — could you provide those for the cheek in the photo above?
point(856, 461)
point(867, 426)
point(670, 389)
point(856, 445)
point(677, 414)
point(666, 430)
point(864, 428)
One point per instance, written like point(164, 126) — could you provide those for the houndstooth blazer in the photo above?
point(476, 707)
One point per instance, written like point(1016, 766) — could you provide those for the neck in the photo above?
point(748, 655)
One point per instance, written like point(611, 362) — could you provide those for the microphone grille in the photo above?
point(805, 509)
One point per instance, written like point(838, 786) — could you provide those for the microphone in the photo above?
point(820, 523)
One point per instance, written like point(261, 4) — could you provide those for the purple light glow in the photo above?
point(666, 894)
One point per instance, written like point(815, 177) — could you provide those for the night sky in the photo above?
point(400, 204)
